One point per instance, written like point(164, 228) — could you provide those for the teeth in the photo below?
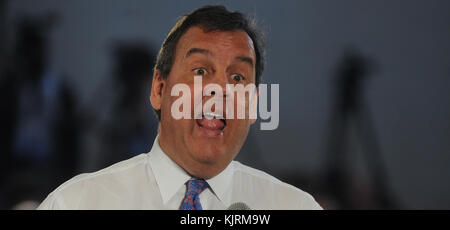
point(213, 115)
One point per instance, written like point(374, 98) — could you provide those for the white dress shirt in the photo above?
point(154, 181)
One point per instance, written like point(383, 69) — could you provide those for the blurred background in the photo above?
point(364, 95)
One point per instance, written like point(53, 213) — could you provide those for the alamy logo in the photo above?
point(241, 102)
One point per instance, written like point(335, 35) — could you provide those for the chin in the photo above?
point(210, 155)
point(210, 164)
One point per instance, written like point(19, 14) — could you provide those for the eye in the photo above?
point(200, 71)
point(237, 77)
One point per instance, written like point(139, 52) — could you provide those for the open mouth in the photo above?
point(212, 121)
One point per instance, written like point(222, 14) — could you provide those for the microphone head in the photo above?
point(239, 206)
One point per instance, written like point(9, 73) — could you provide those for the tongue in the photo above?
point(212, 124)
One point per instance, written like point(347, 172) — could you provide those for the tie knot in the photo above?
point(196, 186)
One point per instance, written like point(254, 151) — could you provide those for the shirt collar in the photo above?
point(221, 185)
point(170, 176)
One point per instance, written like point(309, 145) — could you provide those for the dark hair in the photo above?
point(210, 18)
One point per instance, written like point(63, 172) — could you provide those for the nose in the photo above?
point(219, 84)
point(221, 80)
point(213, 89)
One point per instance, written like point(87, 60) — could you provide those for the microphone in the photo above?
point(239, 206)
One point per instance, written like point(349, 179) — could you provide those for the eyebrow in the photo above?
point(209, 53)
point(245, 59)
point(198, 50)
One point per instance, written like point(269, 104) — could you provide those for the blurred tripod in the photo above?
point(349, 109)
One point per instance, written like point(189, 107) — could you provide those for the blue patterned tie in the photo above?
point(191, 201)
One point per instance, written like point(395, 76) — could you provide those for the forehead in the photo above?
point(234, 43)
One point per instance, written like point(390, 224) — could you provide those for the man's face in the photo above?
point(205, 147)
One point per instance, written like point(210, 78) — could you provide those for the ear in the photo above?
point(254, 105)
point(158, 84)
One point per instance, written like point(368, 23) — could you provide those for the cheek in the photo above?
point(239, 132)
point(196, 99)
point(239, 106)
point(166, 103)
point(168, 100)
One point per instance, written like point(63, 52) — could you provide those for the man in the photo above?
point(191, 163)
